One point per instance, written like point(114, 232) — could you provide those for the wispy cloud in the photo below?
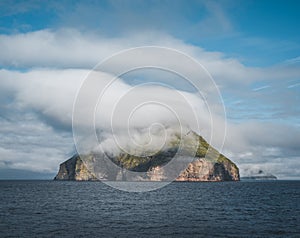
point(293, 85)
point(261, 88)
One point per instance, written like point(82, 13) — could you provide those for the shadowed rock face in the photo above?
point(214, 167)
point(74, 169)
point(202, 170)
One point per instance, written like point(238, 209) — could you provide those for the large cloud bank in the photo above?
point(37, 104)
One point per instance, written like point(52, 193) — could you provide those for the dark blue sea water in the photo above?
point(93, 209)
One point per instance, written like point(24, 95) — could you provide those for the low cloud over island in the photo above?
point(43, 68)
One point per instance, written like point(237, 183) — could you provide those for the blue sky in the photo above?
point(260, 33)
point(251, 48)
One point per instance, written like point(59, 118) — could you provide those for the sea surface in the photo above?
point(182, 209)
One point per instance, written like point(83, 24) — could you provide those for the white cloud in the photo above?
point(49, 94)
point(26, 143)
point(71, 48)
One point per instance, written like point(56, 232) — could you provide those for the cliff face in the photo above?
point(215, 167)
point(201, 170)
point(198, 170)
point(74, 169)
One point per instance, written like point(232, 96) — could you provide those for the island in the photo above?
point(208, 165)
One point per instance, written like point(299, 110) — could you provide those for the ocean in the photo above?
point(180, 209)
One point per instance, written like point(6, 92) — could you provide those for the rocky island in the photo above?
point(211, 166)
point(214, 167)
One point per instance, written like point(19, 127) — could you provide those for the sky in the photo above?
point(250, 48)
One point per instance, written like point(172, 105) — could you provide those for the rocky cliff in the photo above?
point(214, 167)
point(198, 170)
point(74, 169)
